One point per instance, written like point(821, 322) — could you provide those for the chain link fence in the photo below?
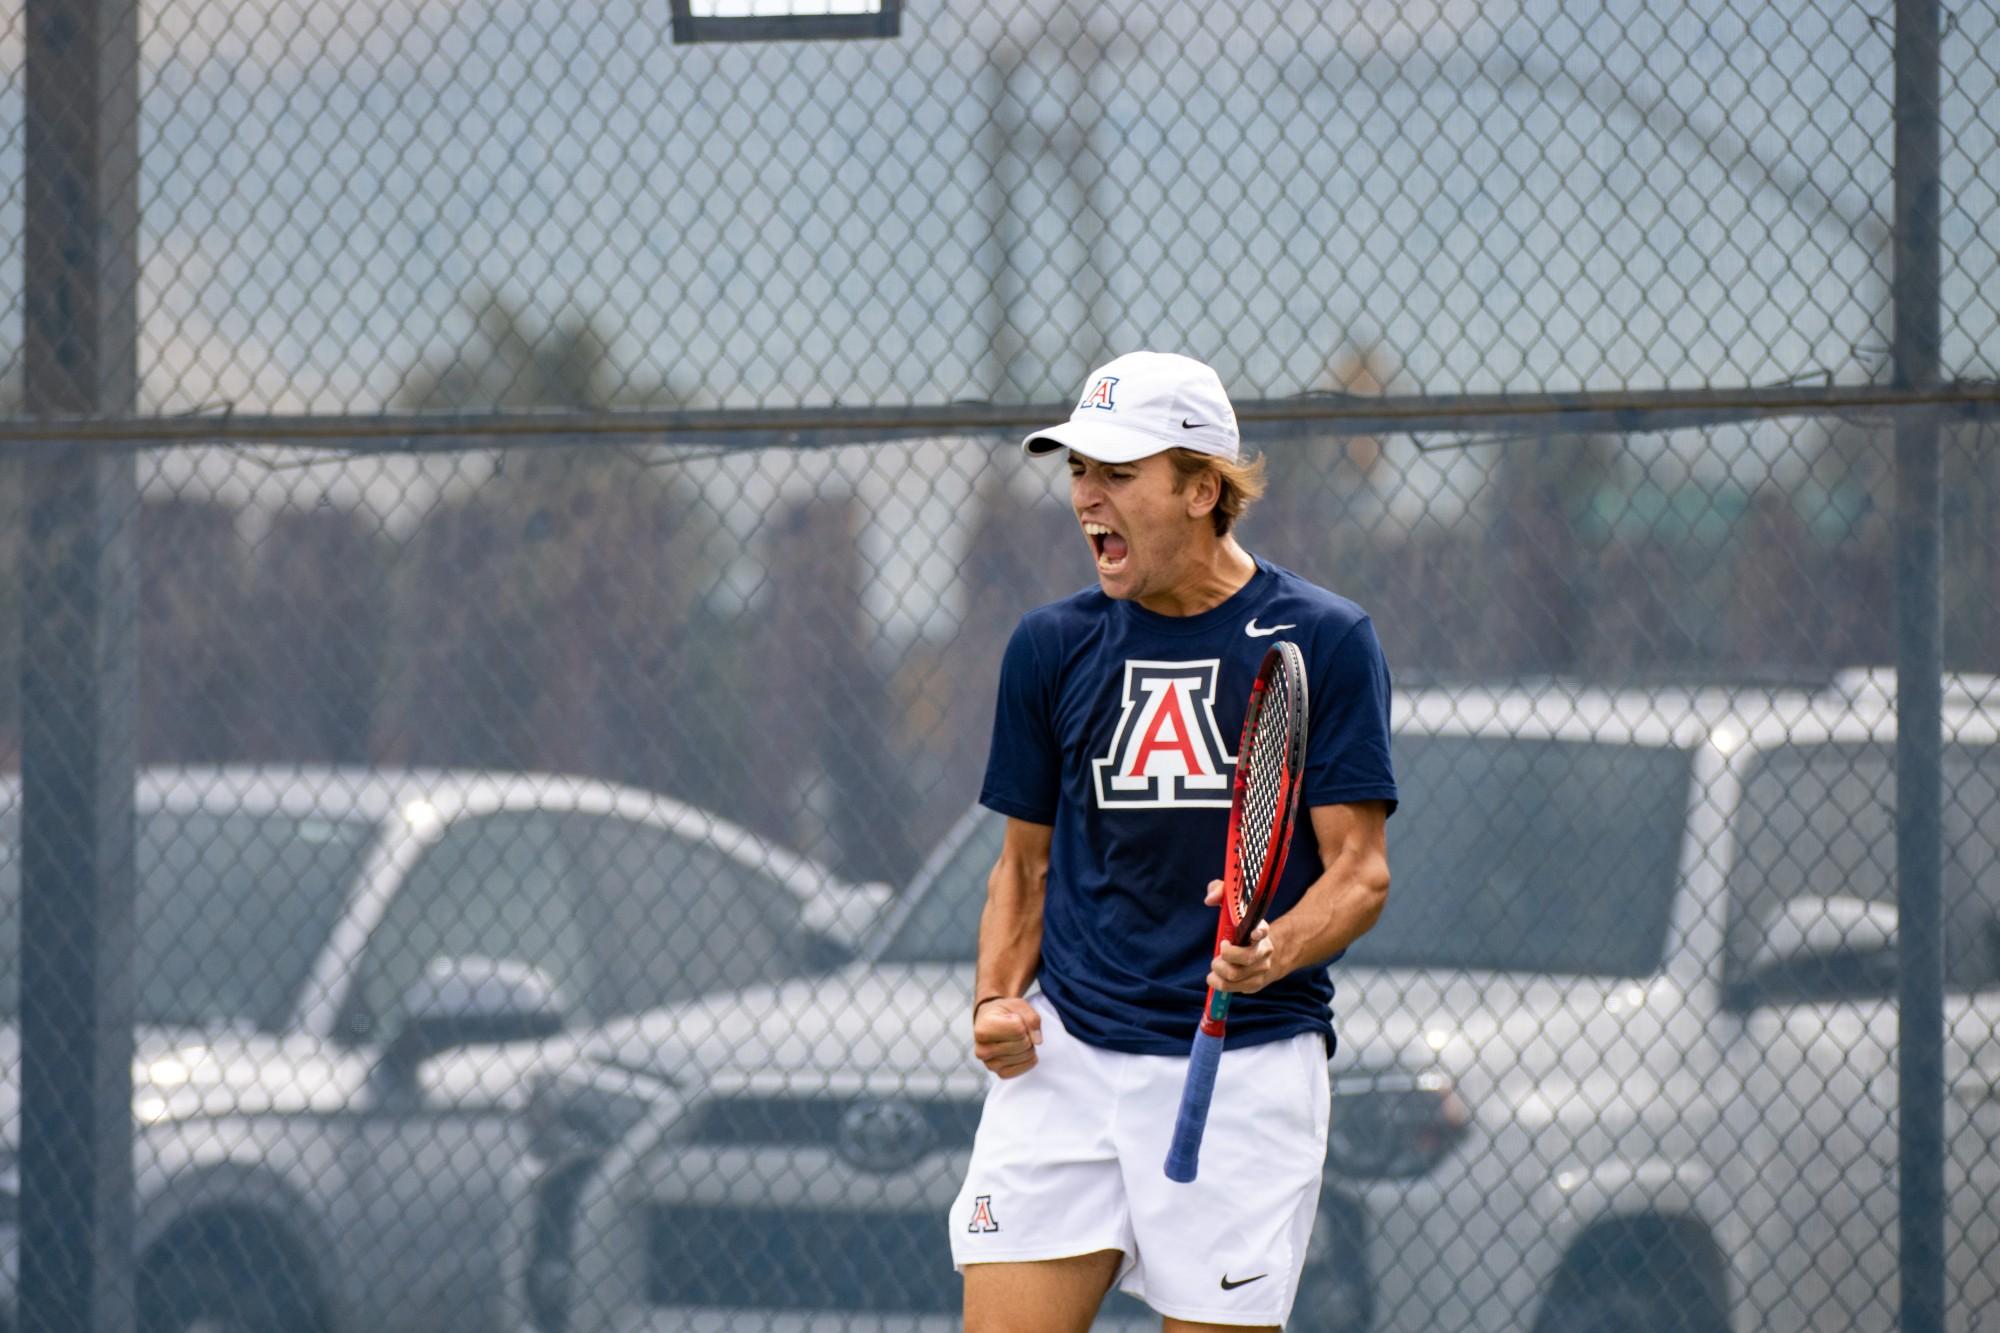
point(555, 870)
point(629, 741)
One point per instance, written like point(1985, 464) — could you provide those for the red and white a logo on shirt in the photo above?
point(1167, 750)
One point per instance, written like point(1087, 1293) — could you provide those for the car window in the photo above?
point(1530, 855)
point(941, 924)
point(232, 909)
point(1820, 821)
point(672, 917)
point(498, 886)
point(1508, 854)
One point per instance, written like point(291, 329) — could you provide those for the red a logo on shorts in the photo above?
point(982, 1215)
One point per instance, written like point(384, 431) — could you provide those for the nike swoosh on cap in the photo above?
point(1256, 633)
point(1192, 425)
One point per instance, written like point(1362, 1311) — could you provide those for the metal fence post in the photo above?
point(1919, 660)
point(77, 678)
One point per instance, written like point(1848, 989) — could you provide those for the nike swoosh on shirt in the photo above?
point(1255, 633)
point(1227, 1285)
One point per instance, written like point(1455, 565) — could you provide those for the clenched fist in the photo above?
point(1005, 1032)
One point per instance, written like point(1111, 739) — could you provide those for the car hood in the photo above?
point(1544, 1047)
point(865, 1027)
point(190, 1073)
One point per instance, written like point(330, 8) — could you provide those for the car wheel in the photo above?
point(1621, 1309)
point(183, 1299)
point(1335, 1292)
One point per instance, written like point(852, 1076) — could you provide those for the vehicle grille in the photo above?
point(779, 1121)
point(900, 1262)
point(800, 1259)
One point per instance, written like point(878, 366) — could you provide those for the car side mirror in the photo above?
point(468, 1002)
point(1830, 948)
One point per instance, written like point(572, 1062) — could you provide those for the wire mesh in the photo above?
point(557, 876)
point(620, 741)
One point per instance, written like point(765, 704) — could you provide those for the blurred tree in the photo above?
point(554, 616)
point(1324, 513)
point(13, 520)
point(313, 637)
point(1022, 551)
point(1344, 512)
point(192, 616)
point(542, 621)
point(516, 361)
point(1426, 596)
point(1779, 615)
point(822, 740)
point(1537, 601)
point(1857, 478)
point(1638, 620)
point(1971, 540)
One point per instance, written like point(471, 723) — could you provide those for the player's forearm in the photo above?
point(1341, 906)
point(1010, 930)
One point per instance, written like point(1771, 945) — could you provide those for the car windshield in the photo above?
point(941, 925)
point(232, 910)
point(1509, 854)
point(1516, 854)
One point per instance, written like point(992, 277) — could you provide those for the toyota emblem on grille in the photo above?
point(884, 1135)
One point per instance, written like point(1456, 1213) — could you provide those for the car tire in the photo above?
point(200, 1298)
point(1624, 1309)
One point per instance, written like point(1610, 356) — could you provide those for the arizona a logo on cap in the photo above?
point(1099, 394)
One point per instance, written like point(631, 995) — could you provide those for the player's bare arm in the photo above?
point(1338, 908)
point(1005, 1028)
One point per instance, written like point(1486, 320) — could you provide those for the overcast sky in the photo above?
point(1504, 196)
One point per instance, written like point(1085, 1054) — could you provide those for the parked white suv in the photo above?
point(1620, 1055)
point(327, 1137)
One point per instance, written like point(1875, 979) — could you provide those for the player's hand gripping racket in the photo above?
point(1262, 809)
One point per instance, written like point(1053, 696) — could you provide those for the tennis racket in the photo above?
point(1263, 806)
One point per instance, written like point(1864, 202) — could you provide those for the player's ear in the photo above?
point(1203, 493)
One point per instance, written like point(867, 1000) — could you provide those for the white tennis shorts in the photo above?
point(1069, 1160)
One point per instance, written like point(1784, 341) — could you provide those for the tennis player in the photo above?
point(1111, 761)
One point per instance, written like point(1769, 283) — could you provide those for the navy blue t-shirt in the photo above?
point(1118, 726)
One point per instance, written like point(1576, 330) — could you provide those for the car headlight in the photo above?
point(1394, 1125)
point(570, 1120)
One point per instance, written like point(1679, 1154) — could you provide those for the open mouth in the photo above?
point(1109, 546)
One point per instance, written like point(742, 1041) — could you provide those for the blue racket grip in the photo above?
point(1184, 1154)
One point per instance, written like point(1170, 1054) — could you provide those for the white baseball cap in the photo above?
point(1144, 403)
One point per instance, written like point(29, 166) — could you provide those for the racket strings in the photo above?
point(1266, 772)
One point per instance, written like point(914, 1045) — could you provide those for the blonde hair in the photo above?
point(1242, 483)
